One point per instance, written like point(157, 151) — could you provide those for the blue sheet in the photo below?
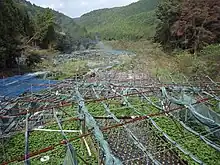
point(17, 85)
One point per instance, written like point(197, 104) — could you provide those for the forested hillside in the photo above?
point(192, 26)
point(15, 27)
point(66, 23)
point(135, 21)
point(188, 29)
point(23, 25)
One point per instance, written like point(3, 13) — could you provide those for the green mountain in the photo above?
point(135, 21)
point(66, 23)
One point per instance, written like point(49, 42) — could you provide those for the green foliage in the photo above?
point(187, 24)
point(45, 29)
point(192, 26)
point(77, 67)
point(187, 64)
point(69, 69)
point(64, 43)
point(15, 27)
point(206, 62)
point(132, 22)
point(22, 23)
point(38, 140)
point(167, 12)
point(189, 141)
point(211, 56)
point(33, 59)
point(210, 51)
point(66, 24)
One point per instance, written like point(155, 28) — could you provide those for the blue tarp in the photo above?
point(17, 85)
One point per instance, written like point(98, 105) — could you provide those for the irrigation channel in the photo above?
point(109, 117)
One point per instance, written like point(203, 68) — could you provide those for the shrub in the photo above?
point(211, 55)
point(33, 59)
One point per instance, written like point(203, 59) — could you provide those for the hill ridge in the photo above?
point(134, 21)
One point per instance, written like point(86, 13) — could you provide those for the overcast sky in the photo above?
point(75, 8)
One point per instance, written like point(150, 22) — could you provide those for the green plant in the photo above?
point(73, 68)
point(189, 141)
point(211, 56)
point(38, 140)
point(33, 59)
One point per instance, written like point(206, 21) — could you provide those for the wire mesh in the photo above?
point(116, 102)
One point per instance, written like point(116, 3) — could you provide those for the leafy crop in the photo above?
point(15, 146)
point(189, 141)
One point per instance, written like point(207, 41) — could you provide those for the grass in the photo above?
point(65, 70)
point(41, 52)
point(150, 57)
point(73, 68)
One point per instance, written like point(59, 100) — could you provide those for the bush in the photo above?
point(211, 55)
point(33, 59)
point(206, 62)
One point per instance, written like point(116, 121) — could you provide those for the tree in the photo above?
point(188, 24)
point(64, 43)
point(168, 12)
point(198, 24)
point(45, 34)
point(14, 28)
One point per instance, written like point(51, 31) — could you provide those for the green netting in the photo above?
point(198, 112)
point(110, 159)
point(128, 131)
point(176, 95)
point(166, 136)
point(70, 158)
point(201, 112)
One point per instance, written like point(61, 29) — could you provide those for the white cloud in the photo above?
point(61, 5)
point(84, 3)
